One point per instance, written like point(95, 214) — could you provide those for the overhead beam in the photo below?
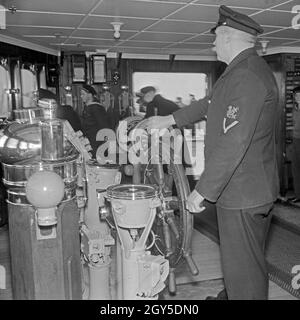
point(28, 45)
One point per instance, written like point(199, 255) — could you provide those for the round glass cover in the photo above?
point(131, 191)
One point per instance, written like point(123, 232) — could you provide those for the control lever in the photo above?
point(191, 264)
point(172, 281)
point(167, 238)
point(170, 221)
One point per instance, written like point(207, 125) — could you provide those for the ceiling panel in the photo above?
point(288, 6)
point(286, 33)
point(260, 4)
point(84, 41)
point(77, 6)
point(150, 25)
point(168, 37)
point(43, 19)
point(269, 29)
point(202, 38)
point(202, 13)
point(100, 22)
point(40, 31)
point(274, 18)
point(165, 1)
point(143, 44)
point(180, 26)
point(129, 8)
point(102, 34)
point(293, 44)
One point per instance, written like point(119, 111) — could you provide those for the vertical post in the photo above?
point(2, 17)
point(2, 277)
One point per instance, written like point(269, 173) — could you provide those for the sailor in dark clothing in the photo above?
point(155, 103)
point(66, 112)
point(240, 173)
point(46, 94)
point(94, 116)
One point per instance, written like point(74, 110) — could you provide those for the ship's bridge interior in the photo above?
point(96, 206)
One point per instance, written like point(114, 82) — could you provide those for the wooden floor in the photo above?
point(208, 282)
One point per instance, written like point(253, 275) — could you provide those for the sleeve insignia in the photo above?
point(232, 112)
point(231, 118)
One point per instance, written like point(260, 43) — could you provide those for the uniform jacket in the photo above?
point(240, 154)
point(164, 106)
point(67, 112)
point(94, 118)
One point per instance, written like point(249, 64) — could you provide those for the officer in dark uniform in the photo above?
point(240, 173)
point(94, 117)
point(155, 103)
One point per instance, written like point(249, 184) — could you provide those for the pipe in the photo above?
point(99, 282)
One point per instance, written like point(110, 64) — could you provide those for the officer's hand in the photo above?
point(194, 202)
point(159, 122)
point(85, 141)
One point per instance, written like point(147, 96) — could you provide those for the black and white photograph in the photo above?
point(149, 154)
